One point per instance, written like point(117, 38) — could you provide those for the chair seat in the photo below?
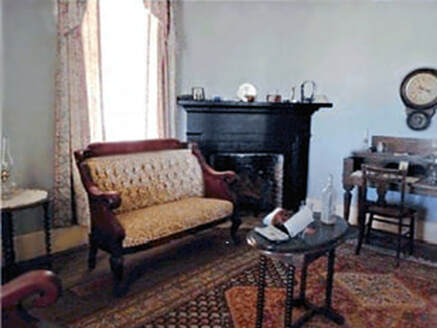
point(155, 222)
point(389, 210)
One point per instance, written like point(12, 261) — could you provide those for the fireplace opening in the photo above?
point(259, 187)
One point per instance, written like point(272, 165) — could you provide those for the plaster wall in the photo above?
point(29, 36)
point(356, 51)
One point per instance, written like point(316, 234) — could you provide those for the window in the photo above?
point(129, 62)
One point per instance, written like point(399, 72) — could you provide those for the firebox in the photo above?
point(260, 178)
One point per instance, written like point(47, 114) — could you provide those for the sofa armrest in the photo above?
point(43, 283)
point(102, 216)
point(111, 198)
point(217, 184)
point(101, 203)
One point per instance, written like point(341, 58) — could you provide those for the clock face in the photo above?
point(419, 89)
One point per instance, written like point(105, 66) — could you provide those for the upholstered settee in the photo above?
point(144, 193)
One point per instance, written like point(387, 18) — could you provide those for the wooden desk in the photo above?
point(397, 149)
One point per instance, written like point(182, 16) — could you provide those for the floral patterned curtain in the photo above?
point(74, 126)
point(161, 9)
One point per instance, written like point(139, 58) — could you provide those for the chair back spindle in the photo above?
point(382, 180)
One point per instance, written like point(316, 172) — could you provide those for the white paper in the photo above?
point(269, 217)
point(272, 233)
point(299, 221)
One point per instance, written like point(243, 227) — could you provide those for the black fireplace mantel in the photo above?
point(257, 127)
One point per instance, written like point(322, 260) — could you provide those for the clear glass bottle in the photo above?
point(8, 185)
point(329, 201)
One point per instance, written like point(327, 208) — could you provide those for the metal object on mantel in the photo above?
point(303, 93)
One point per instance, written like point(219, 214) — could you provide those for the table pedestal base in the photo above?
point(291, 302)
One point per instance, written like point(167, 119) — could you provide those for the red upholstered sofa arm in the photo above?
point(43, 283)
point(110, 198)
point(217, 184)
point(101, 203)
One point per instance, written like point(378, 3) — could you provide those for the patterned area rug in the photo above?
point(220, 292)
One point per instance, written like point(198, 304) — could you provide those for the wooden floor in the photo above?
point(384, 242)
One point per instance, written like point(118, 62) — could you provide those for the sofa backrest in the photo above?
point(148, 178)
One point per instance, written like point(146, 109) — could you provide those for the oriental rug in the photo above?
point(220, 291)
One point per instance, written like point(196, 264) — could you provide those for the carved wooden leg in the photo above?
point(329, 312)
point(303, 280)
point(92, 252)
point(47, 230)
point(361, 221)
point(369, 228)
point(8, 246)
point(116, 262)
point(261, 286)
point(288, 317)
point(236, 222)
point(398, 247)
point(347, 201)
point(412, 232)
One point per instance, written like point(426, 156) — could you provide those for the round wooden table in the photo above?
point(24, 199)
point(322, 242)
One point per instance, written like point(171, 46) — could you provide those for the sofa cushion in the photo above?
point(148, 178)
point(151, 223)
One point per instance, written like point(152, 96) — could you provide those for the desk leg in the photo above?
point(261, 286)
point(347, 197)
point(288, 318)
point(47, 227)
point(361, 221)
point(8, 245)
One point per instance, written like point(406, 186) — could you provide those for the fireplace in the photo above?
point(259, 186)
point(221, 128)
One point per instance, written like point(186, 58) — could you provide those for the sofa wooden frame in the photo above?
point(107, 233)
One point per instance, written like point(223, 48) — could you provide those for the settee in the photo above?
point(145, 193)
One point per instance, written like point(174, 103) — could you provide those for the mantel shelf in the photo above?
point(249, 107)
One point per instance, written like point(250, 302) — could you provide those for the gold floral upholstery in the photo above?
point(154, 222)
point(148, 178)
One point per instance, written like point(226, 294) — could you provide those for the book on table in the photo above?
point(290, 228)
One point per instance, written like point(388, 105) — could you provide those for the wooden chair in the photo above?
point(382, 180)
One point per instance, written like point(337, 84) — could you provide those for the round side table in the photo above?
point(26, 198)
point(323, 241)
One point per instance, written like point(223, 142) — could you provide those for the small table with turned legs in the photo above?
point(322, 242)
point(27, 198)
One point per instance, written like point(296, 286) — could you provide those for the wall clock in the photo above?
point(419, 93)
point(418, 120)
